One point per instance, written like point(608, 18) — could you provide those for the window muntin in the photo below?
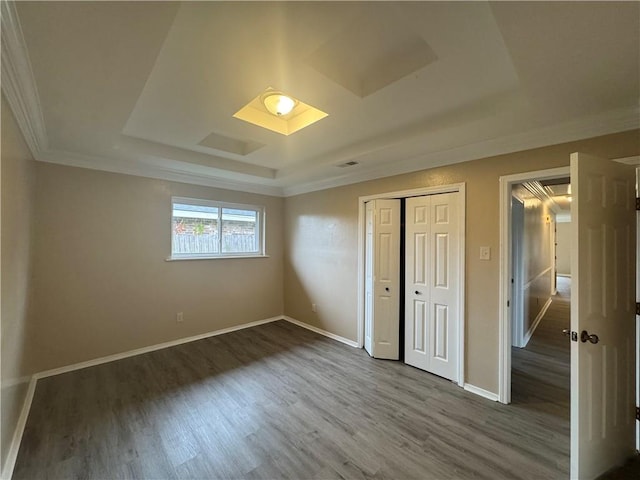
point(205, 229)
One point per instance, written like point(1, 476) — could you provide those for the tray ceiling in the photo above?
point(151, 88)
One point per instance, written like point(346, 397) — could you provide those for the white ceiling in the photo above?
point(136, 87)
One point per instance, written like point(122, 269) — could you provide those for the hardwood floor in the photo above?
point(540, 372)
point(278, 401)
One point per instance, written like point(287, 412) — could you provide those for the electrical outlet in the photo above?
point(485, 253)
point(179, 317)
point(314, 307)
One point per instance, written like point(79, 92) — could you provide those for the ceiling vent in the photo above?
point(347, 164)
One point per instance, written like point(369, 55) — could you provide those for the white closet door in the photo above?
point(432, 284)
point(417, 221)
point(382, 279)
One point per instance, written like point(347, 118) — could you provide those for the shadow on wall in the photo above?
point(318, 266)
point(294, 305)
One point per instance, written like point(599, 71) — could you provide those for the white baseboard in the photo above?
point(481, 391)
point(151, 348)
point(536, 322)
point(333, 336)
point(12, 456)
point(7, 471)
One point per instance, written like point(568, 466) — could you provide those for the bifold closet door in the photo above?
point(382, 279)
point(432, 284)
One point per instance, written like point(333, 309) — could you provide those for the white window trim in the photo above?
point(260, 230)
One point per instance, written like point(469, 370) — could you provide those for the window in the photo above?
point(208, 229)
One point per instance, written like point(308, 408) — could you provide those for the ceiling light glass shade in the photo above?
point(279, 104)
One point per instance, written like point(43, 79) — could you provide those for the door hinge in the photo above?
point(637, 308)
point(637, 203)
point(638, 413)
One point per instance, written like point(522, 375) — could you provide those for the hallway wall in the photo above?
point(563, 252)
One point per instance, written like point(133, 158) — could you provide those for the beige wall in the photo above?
point(17, 175)
point(321, 244)
point(538, 266)
point(564, 248)
point(103, 285)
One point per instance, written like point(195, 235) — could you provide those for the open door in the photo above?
point(382, 279)
point(602, 315)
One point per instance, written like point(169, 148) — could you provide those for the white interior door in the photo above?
point(432, 284)
point(382, 279)
point(602, 304)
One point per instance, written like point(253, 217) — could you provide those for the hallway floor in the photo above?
point(540, 372)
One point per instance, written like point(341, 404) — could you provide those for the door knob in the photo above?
point(566, 331)
point(386, 289)
point(418, 293)
point(585, 337)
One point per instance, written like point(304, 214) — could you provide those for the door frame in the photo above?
point(517, 300)
point(504, 314)
point(504, 349)
point(434, 190)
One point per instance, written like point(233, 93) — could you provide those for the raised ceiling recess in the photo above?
point(217, 141)
point(371, 54)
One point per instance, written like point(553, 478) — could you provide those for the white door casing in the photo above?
point(368, 272)
point(382, 279)
point(637, 300)
point(603, 277)
point(432, 284)
point(517, 268)
point(505, 312)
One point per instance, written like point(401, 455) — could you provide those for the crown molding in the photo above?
point(131, 167)
point(593, 126)
point(18, 83)
point(606, 123)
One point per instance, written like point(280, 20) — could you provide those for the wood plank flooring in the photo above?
point(541, 372)
point(279, 401)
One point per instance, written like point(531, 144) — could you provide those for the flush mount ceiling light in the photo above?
point(278, 103)
point(279, 112)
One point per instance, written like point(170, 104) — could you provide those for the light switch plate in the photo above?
point(485, 253)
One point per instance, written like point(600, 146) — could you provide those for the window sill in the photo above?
point(225, 257)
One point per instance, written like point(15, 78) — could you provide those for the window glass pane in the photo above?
point(239, 230)
point(195, 230)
